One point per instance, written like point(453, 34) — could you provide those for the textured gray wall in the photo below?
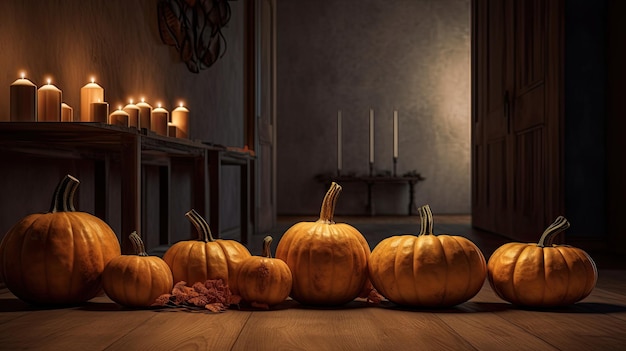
point(118, 42)
point(412, 55)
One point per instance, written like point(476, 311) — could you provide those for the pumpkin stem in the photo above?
point(267, 247)
point(63, 198)
point(328, 204)
point(559, 225)
point(426, 220)
point(202, 227)
point(138, 246)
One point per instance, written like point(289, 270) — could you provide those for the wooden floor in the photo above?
point(483, 323)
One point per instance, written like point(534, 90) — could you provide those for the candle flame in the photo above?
point(180, 104)
point(23, 75)
point(119, 107)
point(49, 80)
point(93, 80)
point(142, 99)
point(159, 105)
point(131, 101)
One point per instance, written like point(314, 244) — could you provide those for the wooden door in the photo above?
point(516, 127)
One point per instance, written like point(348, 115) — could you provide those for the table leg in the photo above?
point(370, 201)
point(131, 189)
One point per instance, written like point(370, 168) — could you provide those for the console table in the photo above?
point(132, 148)
point(370, 181)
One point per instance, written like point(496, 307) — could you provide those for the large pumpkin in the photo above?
point(205, 259)
point(427, 270)
point(136, 280)
point(57, 257)
point(543, 274)
point(328, 260)
point(262, 280)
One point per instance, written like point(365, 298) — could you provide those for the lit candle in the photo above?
point(145, 112)
point(23, 100)
point(172, 130)
point(49, 103)
point(90, 93)
point(395, 133)
point(371, 135)
point(67, 113)
point(119, 117)
point(180, 118)
point(133, 114)
point(99, 112)
point(159, 119)
point(339, 146)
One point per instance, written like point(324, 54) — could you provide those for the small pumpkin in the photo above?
point(328, 260)
point(427, 270)
point(136, 280)
point(264, 281)
point(57, 257)
point(542, 274)
point(205, 259)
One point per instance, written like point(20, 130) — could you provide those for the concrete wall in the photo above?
point(118, 42)
point(411, 55)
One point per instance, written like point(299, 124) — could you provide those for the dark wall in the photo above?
point(585, 117)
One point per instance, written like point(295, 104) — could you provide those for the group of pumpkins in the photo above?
point(67, 257)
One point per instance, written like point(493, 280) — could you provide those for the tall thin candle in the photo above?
point(395, 133)
point(339, 146)
point(371, 135)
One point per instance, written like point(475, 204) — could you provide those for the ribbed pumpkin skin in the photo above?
point(427, 270)
point(264, 280)
point(328, 262)
point(136, 281)
point(530, 275)
point(57, 258)
point(197, 261)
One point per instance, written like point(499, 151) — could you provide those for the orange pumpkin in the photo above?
point(427, 270)
point(136, 280)
point(57, 257)
point(328, 260)
point(264, 281)
point(543, 274)
point(205, 259)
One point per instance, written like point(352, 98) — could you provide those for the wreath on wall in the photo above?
point(194, 28)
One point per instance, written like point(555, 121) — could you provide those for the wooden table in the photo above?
point(483, 323)
point(370, 181)
point(132, 148)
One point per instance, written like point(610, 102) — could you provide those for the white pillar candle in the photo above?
point(371, 135)
point(90, 93)
point(145, 113)
point(23, 101)
point(99, 112)
point(339, 146)
point(67, 113)
point(133, 114)
point(159, 120)
point(180, 118)
point(395, 133)
point(49, 99)
point(172, 130)
point(119, 117)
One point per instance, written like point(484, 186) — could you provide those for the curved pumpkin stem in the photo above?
point(559, 225)
point(328, 204)
point(267, 247)
point(138, 246)
point(202, 227)
point(426, 220)
point(63, 198)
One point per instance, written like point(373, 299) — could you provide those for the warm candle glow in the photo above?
point(131, 101)
point(23, 75)
point(119, 107)
point(142, 100)
point(49, 80)
point(158, 104)
point(180, 104)
point(93, 80)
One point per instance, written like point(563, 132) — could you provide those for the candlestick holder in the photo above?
point(395, 164)
point(371, 169)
